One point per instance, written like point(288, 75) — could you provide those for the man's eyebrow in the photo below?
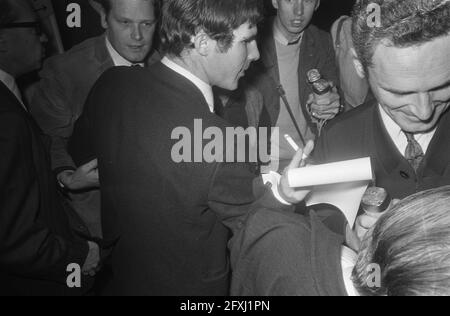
point(400, 92)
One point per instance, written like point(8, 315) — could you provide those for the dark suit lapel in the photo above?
point(307, 62)
point(269, 52)
point(11, 97)
point(438, 154)
point(269, 62)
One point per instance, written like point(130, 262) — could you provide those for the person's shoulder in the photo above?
point(79, 55)
point(318, 34)
point(354, 119)
point(270, 222)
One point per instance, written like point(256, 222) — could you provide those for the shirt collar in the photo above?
point(11, 84)
point(7, 80)
point(118, 60)
point(205, 88)
point(393, 129)
point(280, 38)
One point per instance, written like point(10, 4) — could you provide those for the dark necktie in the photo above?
point(414, 152)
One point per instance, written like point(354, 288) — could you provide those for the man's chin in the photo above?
point(136, 58)
point(418, 128)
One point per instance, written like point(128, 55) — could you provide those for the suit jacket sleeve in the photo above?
point(272, 255)
point(51, 108)
point(235, 191)
point(267, 259)
point(27, 247)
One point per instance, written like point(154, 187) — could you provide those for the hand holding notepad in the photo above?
point(341, 184)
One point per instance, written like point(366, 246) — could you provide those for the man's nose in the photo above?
point(254, 54)
point(424, 107)
point(136, 33)
point(298, 7)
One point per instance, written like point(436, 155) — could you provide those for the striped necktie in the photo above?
point(414, 152)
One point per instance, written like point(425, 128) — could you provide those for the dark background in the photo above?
point(329, 11)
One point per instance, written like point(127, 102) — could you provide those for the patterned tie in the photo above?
point(414, 152)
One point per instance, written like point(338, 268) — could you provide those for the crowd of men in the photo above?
point(87, 174)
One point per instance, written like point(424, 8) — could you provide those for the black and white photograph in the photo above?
point(224, 153)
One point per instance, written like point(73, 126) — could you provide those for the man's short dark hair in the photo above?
point(404, 23)
point(182, 19)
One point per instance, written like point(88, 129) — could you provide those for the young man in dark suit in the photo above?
point(171, 213)
point(39, 233)
point(66, 80)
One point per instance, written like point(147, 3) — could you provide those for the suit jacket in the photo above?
point(361, 133)
point(286, 254)
point(37, 241)
point(170, 220)
point(316, 52)
point(59, 98)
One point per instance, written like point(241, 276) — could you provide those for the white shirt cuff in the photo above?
point(274, 180)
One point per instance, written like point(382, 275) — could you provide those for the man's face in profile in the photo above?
point(413, 84)
point(226, 68)
point(294, 15)
point(130, 28)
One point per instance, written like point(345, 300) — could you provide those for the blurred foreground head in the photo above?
point(411, 246)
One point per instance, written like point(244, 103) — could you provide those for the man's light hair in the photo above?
point(411, 245)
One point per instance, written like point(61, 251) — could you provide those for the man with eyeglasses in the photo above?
point(65, 83)
point(39, 233)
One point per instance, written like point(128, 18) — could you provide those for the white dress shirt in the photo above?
point(11, 84)
point(204, 88)
point(399, 137)
point(118, 60)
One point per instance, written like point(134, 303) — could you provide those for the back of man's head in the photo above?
point(398, 23)
point(183, 19)
point(410, 247)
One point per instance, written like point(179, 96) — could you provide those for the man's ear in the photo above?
point(202, 43)
point(275, 4)
point(100, 10)
point(358, 65)
point(317, 5)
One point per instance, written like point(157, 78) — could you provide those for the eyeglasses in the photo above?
point(32, 25)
